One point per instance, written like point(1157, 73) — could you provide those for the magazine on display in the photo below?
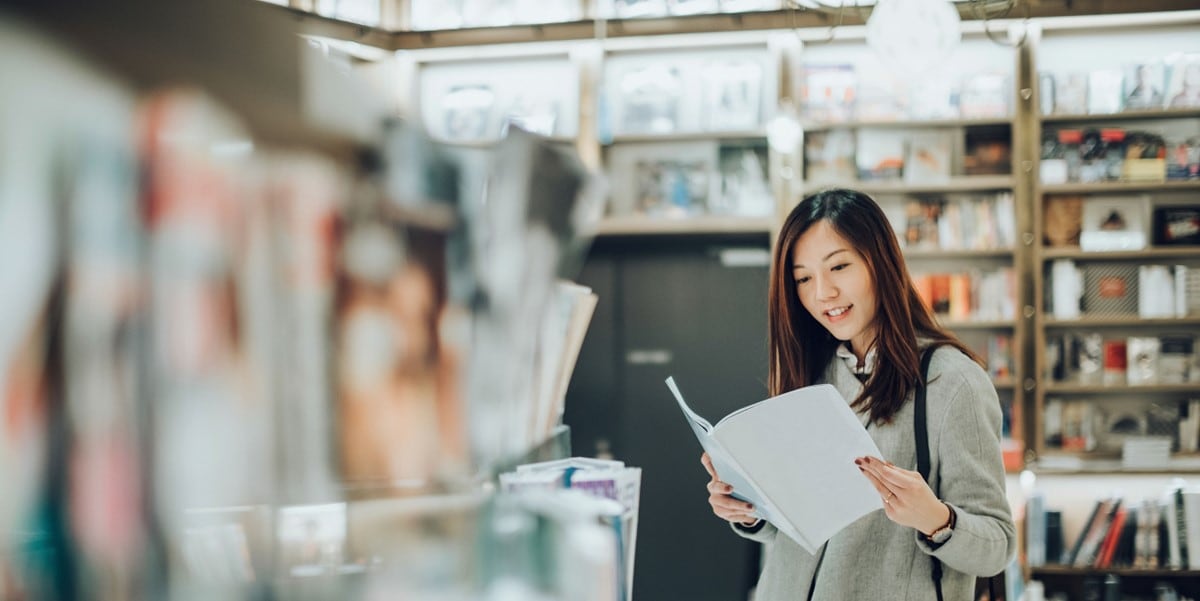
point(733, 90)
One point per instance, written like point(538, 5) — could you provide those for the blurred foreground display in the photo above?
point(261, 340)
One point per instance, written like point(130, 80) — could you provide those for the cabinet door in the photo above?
point(683, 312)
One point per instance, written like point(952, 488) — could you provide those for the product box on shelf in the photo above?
point(1177, 225)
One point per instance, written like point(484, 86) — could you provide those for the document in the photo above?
point(792, 456)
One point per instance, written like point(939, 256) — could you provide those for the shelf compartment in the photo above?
point(1120, 187)
point(964, 183)
point(1157, 389)
point(1178, 252)
point(907, 124)
point(1189, 113)
point(705, 224)
point(1118, 321)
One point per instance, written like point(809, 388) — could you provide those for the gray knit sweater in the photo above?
point(875, 558)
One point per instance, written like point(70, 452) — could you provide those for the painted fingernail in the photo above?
point(858, 462)
point(728, 488)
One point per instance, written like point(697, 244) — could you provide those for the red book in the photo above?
point(1104, 559)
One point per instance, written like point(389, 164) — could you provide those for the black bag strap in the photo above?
point(922, 431)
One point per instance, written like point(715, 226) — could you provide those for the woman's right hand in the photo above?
point(723, 505)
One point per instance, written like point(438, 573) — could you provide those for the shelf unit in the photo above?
point(976, 333)
point(1115, 325)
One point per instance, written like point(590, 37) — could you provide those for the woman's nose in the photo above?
point(825, 288)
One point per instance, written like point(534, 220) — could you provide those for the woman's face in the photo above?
point(835, 285)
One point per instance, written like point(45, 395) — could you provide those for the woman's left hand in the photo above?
point(907, 499)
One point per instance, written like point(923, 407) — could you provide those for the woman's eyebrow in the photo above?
point(840, 250)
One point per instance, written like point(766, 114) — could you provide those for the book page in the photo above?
point(799, 449)
point(726, 466)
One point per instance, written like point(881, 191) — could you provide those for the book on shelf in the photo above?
point(828, 92)
point(1110, 289)
point(1183, 83)
point(935, 98)
point(732, 95)
point(1114, 224)
point(1087, 544)
point(985, 95)
point(829, 157)
point(1104, 93)
point(1071, 93)
point(1108, 545)
point(987, 154)
point(1143, 86)
point(818, 490)
point(929, 157)
point(880, 154)
point(1177, 225)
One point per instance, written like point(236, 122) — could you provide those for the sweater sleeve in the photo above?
point(972, 480)
point(763, 532)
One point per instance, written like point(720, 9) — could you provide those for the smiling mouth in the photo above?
point(838, 312)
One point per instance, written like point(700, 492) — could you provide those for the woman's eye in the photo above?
point(840, 266)
point(801, 280)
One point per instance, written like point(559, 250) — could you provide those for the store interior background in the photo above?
point(680, 282)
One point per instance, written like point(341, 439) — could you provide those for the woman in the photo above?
point(844, 311)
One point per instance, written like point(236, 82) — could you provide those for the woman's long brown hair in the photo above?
point(801, 348)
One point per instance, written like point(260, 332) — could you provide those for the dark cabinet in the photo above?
point(694, 308)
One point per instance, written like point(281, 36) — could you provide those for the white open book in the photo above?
point(792, 456)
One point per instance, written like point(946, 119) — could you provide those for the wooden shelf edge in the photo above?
point(1188, 113)
point(908, 123)
point(1130, 321)
point(1067, 463)
point(952, 253)
point(1064, 388)
point(1060, 570)
point(979, 324)
point(687, 137)
point(719, 22)
point(1161, 252)
point(962, 183)
point(1117, 187)
point(645, 226)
